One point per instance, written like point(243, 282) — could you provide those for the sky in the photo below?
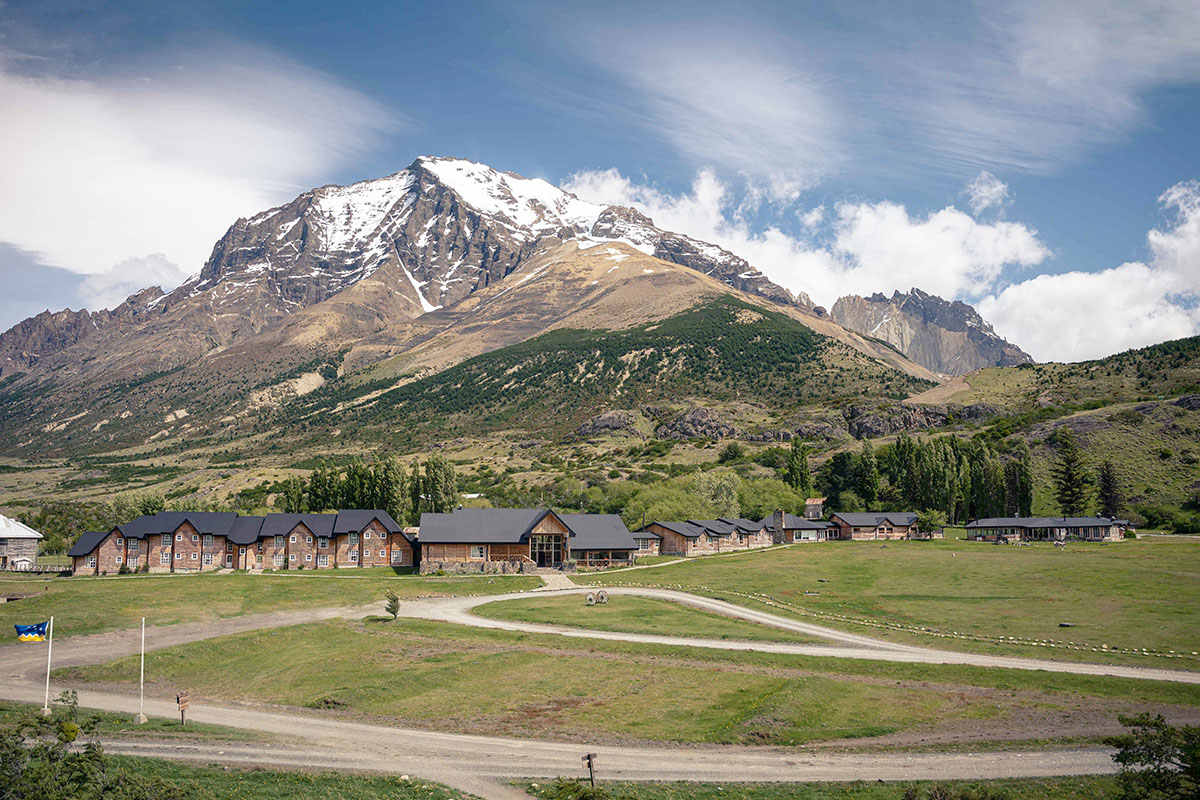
point(1039, 160)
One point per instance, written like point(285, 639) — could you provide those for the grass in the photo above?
point(636, 615)
point(111, 724)
point(257, 784)
point(90, 605)
point(1071, 788)
point(1130, 594)
point(450, 677)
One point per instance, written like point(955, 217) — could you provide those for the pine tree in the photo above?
point(1112, 500)
point(1072, 480)
point(796, 473)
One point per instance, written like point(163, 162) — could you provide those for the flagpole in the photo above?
point(49, 652)
point(141, 717)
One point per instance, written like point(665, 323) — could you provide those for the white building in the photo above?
point(18, 545)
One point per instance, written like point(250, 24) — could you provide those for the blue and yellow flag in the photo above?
point(32, 633)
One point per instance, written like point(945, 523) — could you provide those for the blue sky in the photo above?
point(831, 145)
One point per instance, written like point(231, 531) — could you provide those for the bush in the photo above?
point(731, 452)
point(571, 789)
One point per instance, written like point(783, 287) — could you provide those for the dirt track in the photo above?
point(478, 763)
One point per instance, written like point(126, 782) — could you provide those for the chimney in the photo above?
point(777, 535)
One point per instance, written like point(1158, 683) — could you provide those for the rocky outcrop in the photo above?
point(947, 337)
point(28, 342)
point(697, 423)
point(867, 422)
point(611, 422)
point(1190, 402)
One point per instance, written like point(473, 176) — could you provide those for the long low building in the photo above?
point(199, 541)
point(696, 537)
point(858, 525)
point(788, 528)
point(1046, 529)
point(521, 539)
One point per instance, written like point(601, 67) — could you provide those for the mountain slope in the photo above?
point(947, 337)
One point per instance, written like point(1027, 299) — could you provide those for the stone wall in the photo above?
point(476, 567)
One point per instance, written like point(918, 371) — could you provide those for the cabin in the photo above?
point(520, 540)
point(18, 545)
point(648, 543)
point(703, 537)
point(1046, 529)
point(814, 508)
point(788, 528)
point(202, 541)
point(874, 525)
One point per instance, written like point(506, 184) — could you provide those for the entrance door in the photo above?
point(546, 549)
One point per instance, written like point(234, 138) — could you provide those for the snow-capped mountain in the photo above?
point(438, 230)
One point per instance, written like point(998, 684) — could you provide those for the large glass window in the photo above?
point(546, 549)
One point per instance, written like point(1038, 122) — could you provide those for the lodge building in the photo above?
point(1047, 529)
point(695, 537)
point(857, 526)
point(200, 541)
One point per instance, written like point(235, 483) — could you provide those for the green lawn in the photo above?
point(1073, 788)
point(1129, 594)
point(123, 725)
point(634, 614)
point(89, 605)
point(474, 680)
point(255, 784)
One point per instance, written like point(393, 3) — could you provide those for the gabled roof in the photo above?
point(11, 529)
point(645, 533)
point(86, 543)
point(862, 519)
point(245, 530)
point(481, 525)
point(353, 520)
point(686, 529)
point(1041, 522)
point(793, 523)
point(139, 528)
point(598, 532)
point(283, 524)
point(217, 523)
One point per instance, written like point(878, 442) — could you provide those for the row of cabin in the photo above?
point(486, 540)
point(1047, 529)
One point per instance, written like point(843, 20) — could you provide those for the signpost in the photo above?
point(185, 702)
point(590, 762)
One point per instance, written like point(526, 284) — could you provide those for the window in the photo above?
point(195, 538)
point(291, 557)
point(117, 560)
point(279, 559)
point(383, 553)
point(397, 556)
point(228, 546)
point(166, 540)
point(241, 551)
point(353, 537)
point(165, 558)
point(119, 542)
point(366, 534)
point(207, 559)
point(208, 540)
point(279, 541)
point(323, 560)
point(133, 562)
point(179, 537)
point(194, 556)
point(134, 544)
point(258, 559)
point(478, 551)
point(308, 556)
point(91, 561)
point(323, 543)
point(354, 555)
point(260, 548)
point(293, 539)
point(179, 556)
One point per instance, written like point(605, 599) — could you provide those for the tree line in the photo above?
point(430, 486)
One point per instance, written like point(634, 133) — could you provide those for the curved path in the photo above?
point(849, 645)
point(478, 763)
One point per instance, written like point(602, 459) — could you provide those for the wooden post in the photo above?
point(590, 761)
point(140, 719)
point(185, 701)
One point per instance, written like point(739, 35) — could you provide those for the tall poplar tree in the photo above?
point(796, 473)
point(868, 476)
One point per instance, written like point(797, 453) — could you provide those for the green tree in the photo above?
point(393, 603)
point(416, 494)
point(931, 519)
point(867, 476)
point(1157, 761)
point(719, 488)
point(390, 488)
point(1108, 488)
point(293, 496)
point(796, 472)
point(1072, 480)
point(730, 453)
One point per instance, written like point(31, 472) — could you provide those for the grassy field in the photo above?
point(1074, 788)
point(474, 680)
point(634, 614)
point(1130, 594)
point(122, 725)
point(89, 605)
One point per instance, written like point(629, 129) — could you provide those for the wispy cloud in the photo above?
point(136, 170)
point(985, 191)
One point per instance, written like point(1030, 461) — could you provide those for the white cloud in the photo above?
point(109, 288)
point(985, 191)
point(100, 173)
point(862, 248)
point(1082, 315)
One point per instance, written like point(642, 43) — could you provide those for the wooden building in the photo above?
point(18, 545)
point(875, 525)
point(1046, 529)
point(520, 539)
point(706, 536)
point(788, 528)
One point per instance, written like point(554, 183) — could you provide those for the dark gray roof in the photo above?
point(214, 522)
point(245, 530)
point(686, 529)
point(598, 532)
point(644, 533)
point(353, 520)
point(1040, 522)
point(86, 543)
point(480, 525)
point(793, 523)
point(140, 527)
point(860, 519)
point(283, 524)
